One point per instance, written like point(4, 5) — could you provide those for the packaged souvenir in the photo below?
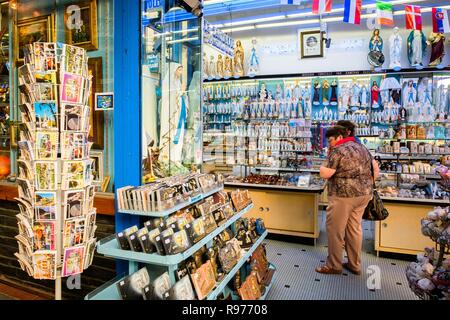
point(132, 286)
point(176, 243)
point(203, 280)
point(229, 255)
point(197, 230)
point(209, 223)
point(250, 289)
point(182, 290)
point(162, 285)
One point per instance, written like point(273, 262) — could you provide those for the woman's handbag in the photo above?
point(375, 210)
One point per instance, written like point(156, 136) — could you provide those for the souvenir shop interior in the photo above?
point(203, 181)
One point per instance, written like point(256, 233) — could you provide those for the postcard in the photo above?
point(90, 224)
point(25, 75)
point(27, 94)
point(25, 226)
point(25, 171)
point(44, 235)
point(90, 253)
point(27, 112)
point(72, 86)
point(73, 175)
point(46, 175)
point(74, 230)
point(50, 56)
point(46, 145)
point(45, 205)
point(73, 203)
point(24, 263)
point(73, 261)
point(26, 207)
point(25, 189)
point(44, 264)
point(74, 59)
point(26, 150)
point(26, 245)
point(72, 117)
point(46, 114)
point(74, 145)
point(46, 77)
point(39, 56)
point(90, 195)
point(46, 91)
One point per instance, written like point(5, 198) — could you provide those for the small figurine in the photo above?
point(436, 41)
point(253, 66)
point(334, 95)
point(375, 92)
point(417, 45)
point(227, 68)
point(395, 42)
point(219, 67)
point(212, 68)
point(238, 59)
point(206, 74)
point(325, 92)
point(375, 56)
point(316, 97)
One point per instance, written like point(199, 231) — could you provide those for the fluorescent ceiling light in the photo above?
point(238, 29)
point(252, 21)
point(285, 24)
point(182, 40)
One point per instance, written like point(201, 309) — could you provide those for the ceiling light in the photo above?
point(252, 21)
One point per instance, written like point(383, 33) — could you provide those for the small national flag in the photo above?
point(295, 2)
point(440, 20)
point(385, 16)
point(413, 18)
point(321, 6)
point(352, 12)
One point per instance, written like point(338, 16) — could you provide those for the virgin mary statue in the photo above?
point(174, 111)
point(193, 138)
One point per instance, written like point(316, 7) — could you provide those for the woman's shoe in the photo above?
point(345, 265)
point(327, 270)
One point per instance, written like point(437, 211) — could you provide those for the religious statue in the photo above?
point(409, 94)
point(395, 42)
point(316, 97)
point(364, 96)
point(307, 108)
point(355, 96)
point(227, 68)
point(417, 45)
point(205, 66)
point(375, 56)
point(375, 92)
point(238, 59)
point(325, 93)
point(174, 114)
point(253, 66)
point(436, 41)
point(212, 68)
point(219, 67)
point(334, 95)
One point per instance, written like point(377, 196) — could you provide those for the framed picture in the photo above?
point(95, 68)
point(84, 34)
point(311, 44)
point(104, 101)
point(97, 167)
point(36, 29)
point(105, 184)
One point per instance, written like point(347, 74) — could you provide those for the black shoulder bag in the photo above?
point(375, 210)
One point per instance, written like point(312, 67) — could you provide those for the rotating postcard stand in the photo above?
point(57, 218)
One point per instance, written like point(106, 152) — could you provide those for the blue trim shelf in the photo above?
point(109, 290)
point(162, 214)
point(109, 247)
point(221, 286)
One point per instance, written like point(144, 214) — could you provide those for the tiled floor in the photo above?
point(297, 280)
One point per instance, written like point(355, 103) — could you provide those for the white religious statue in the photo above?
point(205, 66)
point(355, 104)
point(212, 68)
point(395, 43)
point(417, 45)
point(364, 96)
point(192, 140)
point(174, 114)
point(409, 94)
point(253, 63)
point(307, 107)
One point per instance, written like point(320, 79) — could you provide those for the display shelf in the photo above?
point(109, 291)
point(109, 247)
point(407, 156)
point(221, 286)
point(408, 139)
point(284, 169)
point(161, 214)
point(273, 151)
point(275, 187)
point(426, 175)
point(415, 200)
point(264, 296)
point(271, 138)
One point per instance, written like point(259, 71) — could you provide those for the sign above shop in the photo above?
point(218, 39)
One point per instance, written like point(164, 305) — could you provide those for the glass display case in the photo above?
point(271, 131)
point(171, 86)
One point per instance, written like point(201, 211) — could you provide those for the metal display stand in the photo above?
point(41, 214)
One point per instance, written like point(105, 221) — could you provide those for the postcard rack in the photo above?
point(56, 196)
point(158, 263)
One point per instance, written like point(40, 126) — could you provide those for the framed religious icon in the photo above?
point(311, 44)
point(81, 24)
point(38, 29)
point(95, 68)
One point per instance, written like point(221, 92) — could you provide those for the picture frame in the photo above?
point(97, 167)
point(96, 133)
point(86, 35)
point(35, 29)
point(104, 101)
point(310, 44)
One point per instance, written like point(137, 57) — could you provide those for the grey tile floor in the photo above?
point(297, 280)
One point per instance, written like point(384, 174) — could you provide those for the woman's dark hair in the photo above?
point(350, 126)
point(336, 131)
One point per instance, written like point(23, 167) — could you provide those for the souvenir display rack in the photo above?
point(56, 195)
point(158, 263)
point(429, 277)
